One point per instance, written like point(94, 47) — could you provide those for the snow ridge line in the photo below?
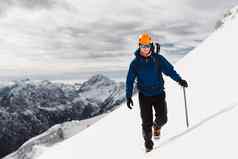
point(175, 137)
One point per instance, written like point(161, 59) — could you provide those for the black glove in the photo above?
point(183, 83)
point(129, 102)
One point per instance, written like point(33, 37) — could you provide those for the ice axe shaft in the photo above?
point(186, 109)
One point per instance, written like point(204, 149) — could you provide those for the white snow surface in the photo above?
point(211, 71)
point(36, 146)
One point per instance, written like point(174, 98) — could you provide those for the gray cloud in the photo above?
point(212, 4)
point(99, 39)
point(87, 36)
point(4, 5)
point(36, 4)
point(32, 4)
point(102, 37)
point(181, 28)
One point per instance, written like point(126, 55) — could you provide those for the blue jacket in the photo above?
point(149, 74)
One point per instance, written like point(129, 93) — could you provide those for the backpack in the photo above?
point(155, 47)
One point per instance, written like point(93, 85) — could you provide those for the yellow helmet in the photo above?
point(145, 39)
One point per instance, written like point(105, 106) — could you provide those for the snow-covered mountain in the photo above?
point(212, 101)
point(29, 108)
point(228, 15)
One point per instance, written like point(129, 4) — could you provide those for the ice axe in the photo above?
point(186, 109)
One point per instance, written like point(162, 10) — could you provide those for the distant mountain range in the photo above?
point(28, 108)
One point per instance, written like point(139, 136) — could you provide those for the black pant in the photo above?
point(146, 112)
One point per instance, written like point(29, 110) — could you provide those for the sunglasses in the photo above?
point(145, 46)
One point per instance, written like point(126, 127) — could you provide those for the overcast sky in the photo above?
point(50, 38)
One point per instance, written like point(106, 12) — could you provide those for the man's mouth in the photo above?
point(148, 54)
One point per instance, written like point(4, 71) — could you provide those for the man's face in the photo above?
point(145, 50)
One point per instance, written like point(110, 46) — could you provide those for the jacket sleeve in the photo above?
point(131, 75)
point(168, 69)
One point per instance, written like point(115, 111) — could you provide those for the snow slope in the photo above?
point(59, 132)
point(212, 99)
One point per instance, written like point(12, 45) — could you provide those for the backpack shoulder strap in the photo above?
point(157, 62)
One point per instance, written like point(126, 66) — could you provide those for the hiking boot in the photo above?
point(149, 145)
point(148, 150)
point(156, 132)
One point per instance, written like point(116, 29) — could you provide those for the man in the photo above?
point(148, 67)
